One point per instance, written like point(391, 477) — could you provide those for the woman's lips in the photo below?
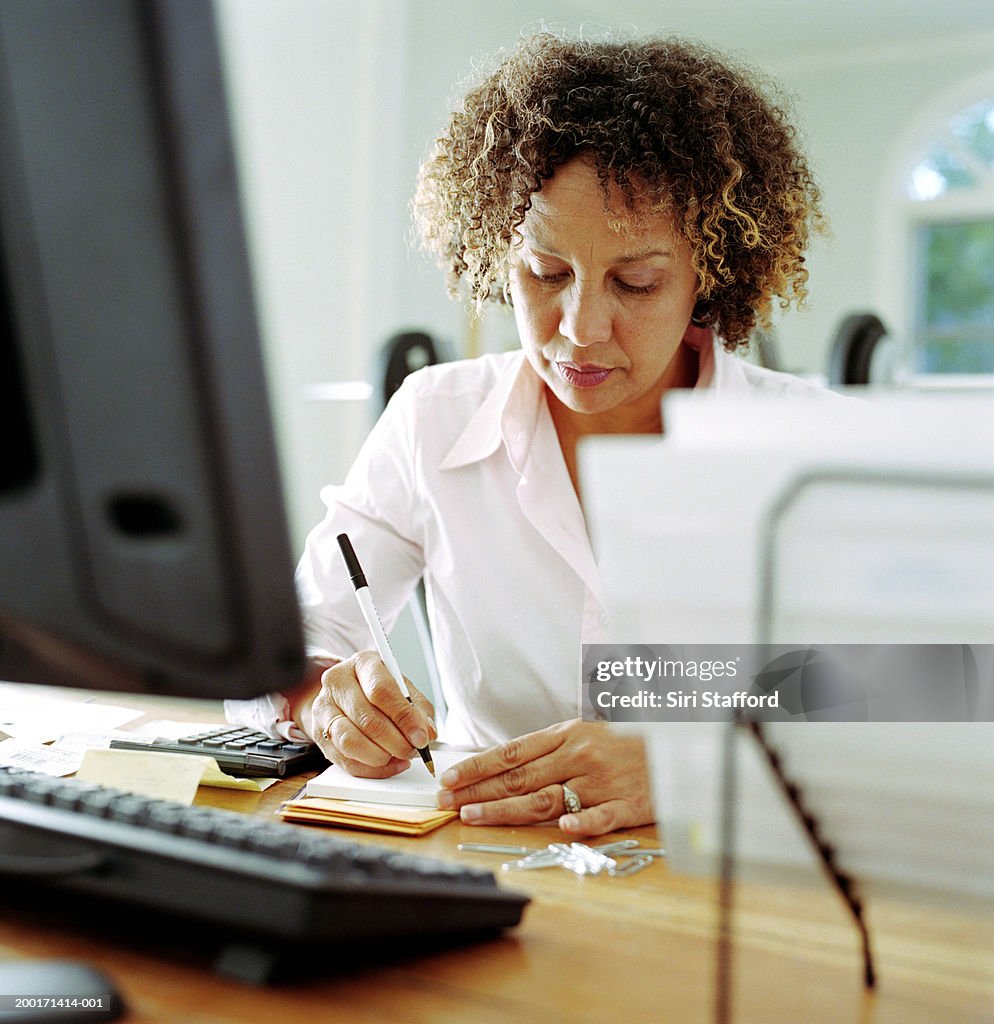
point(584, 376)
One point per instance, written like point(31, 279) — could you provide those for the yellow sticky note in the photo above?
point(215, 777)
point(156, 774)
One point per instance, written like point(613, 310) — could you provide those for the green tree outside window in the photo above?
point(955, 283)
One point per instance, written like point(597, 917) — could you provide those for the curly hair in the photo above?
point(671, 124)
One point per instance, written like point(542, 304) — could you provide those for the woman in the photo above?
point(641, 205)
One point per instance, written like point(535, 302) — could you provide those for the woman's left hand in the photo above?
point(521, 782)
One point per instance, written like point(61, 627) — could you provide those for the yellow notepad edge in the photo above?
point(387, 818)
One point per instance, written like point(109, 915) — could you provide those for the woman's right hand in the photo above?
point(361, 720)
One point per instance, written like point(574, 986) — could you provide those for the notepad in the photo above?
point(388, 818)
point(412, 788)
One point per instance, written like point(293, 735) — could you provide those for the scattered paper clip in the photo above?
point(495, 848)
point(582, 859)
point(620, 846)
point(585, 860)
point(547, 858)
point(631, 866)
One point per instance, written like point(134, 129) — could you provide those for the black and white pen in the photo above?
point(369, 613)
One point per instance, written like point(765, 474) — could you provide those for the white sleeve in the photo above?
point(269, 713)
point(380, 508)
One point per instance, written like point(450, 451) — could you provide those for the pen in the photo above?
point(372, 618)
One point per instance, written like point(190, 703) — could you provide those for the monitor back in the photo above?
point(143, 539)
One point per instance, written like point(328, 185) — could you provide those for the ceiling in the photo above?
point(788, 28)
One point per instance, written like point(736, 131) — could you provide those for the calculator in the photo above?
point(238, 751)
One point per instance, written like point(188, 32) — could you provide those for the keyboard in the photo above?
point(268, 892)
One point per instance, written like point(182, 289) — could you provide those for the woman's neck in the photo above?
point(643, 418)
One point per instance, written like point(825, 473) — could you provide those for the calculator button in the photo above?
point(294, 748)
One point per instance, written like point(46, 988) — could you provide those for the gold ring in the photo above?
point(326, 730)
point(571, 800)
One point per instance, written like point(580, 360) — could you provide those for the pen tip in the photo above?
point(430, 765)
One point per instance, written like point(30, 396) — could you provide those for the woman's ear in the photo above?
point(703, 314)
point(697, 337)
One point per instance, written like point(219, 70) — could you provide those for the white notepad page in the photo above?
point(412, 788)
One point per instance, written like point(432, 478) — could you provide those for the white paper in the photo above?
point(39, 718)
point(678, 524)
point(37, 758)
point(167, 729)
point(906, 804)
point(412, 788)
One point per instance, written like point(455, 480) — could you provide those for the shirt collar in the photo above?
point(508, 414)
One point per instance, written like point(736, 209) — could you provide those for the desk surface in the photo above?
point(591, 949)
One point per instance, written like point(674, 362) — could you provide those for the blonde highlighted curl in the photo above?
point(674, 126)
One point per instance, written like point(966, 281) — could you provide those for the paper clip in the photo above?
point(620, 846)
point(578, 857)
point(585, 860)
point(495, 848)
point(547, 858)
point(631, 867)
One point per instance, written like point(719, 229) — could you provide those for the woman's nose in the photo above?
point(585, 317)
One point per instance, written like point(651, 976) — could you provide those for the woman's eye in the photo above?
point(548, 276)
point(633, 288)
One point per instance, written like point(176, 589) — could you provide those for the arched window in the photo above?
point(950, 210)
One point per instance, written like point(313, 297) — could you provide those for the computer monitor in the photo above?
point(143, 537)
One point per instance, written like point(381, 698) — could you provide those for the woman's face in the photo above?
point(601, 312)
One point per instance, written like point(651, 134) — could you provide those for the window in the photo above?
point(951, 191)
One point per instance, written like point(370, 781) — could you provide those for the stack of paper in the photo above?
point(906, 804)
point(402, 805)
point(401, 821)
point(878, 515)
point(821, 522)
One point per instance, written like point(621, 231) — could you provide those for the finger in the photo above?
point(342, 742)
point(505, 758)
point(518, 781)
point(542, 805)
point(391, 714)
point(373, 728)
point(339, 738)
point(598, 820)
point(393, 767)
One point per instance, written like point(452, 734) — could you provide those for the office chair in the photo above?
point(856, 341)
point(402, 354)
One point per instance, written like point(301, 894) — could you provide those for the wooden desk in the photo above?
point(591, 950)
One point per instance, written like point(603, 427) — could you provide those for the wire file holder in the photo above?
point(825, 850)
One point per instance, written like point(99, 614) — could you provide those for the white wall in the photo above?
point(317, 96)
point(861, 109)
point(855, 105)
point(336, 102)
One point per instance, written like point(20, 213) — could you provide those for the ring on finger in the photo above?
point(326, 730)
point(571, 800)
